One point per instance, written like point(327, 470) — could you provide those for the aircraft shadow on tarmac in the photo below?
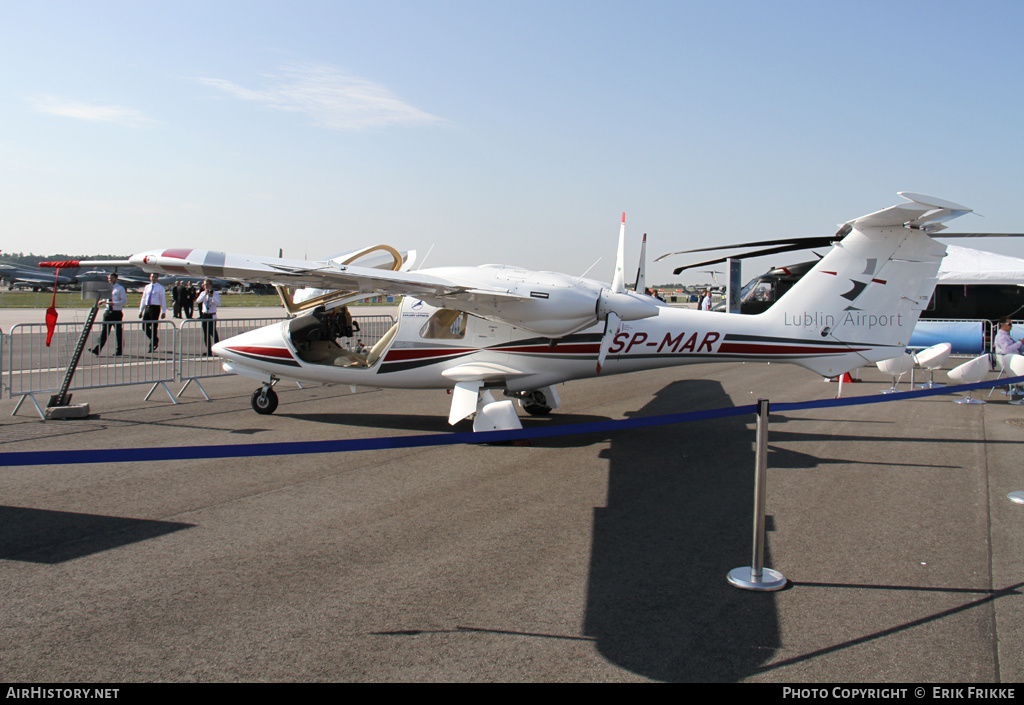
point(430, 423)
point(434, 423)
point(678, 519)
point(51, 537)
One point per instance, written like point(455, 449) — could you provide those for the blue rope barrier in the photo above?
point(206, 452)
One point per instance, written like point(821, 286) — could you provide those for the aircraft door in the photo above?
point(488, 335)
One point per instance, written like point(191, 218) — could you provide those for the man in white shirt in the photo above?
point(153, 307)
point(208, 302)
point(1005, 344)
point(113, 315)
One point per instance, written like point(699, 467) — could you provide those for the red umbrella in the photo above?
point(51, 313)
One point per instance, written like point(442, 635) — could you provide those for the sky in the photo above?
point(497, 131)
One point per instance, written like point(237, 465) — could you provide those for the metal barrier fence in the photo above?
point(33, 368)
point(968, 337)
point(193, 361)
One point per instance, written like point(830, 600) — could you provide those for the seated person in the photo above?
point(1005, 344)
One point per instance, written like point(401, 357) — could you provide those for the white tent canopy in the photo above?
point(962, 265)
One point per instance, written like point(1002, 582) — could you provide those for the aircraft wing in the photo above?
point(254, 269)
point(547, 303)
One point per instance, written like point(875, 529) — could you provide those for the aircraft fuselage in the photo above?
point(435, 348)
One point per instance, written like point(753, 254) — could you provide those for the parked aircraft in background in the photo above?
point(13, 275)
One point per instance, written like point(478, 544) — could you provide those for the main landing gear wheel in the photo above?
point(264, 401)
point(535, 404)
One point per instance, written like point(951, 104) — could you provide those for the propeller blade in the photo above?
point(805, 244)
point(618, 279)
point(745, 255)
point(611, 329)
point(641, 271)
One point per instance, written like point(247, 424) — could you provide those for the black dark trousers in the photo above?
point(151, 318)
point(209, 331)
point(113, 318)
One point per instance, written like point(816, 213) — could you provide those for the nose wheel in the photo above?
point(264, 400)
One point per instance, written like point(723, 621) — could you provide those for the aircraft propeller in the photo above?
point(800, 243)
point(618, 304)
point(797, 243)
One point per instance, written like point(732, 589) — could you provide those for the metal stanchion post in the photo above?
point(756, 576)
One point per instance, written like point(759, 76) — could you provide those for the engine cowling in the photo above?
point(628, 305)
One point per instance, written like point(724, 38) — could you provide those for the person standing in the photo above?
point(208, 302)
point(153, 307)
point(177, 292)
point(113, 315)
point(188, 298)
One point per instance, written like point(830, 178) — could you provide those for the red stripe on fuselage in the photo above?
point(261, 350)
point(577, 349)
point(762, 349)
point(396, 355)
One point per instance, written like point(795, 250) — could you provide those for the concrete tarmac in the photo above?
point(600, 557)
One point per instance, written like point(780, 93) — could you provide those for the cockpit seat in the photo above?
point(327, 352)
point(380, 346)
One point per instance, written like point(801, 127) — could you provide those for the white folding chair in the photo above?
point(971, 372)
point(1004, 369)
point(1015, 365)
point(897, 367)
point(933, 358)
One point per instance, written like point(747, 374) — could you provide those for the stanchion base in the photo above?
point(71, 411)
point(1016, 497)
point(770, 579)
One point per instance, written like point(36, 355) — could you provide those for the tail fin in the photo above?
point(866, 294)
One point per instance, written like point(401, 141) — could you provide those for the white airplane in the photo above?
point(501, 330)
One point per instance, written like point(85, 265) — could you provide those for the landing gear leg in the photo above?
point(264, 400)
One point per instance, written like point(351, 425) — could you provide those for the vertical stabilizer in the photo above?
point(868, 292)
